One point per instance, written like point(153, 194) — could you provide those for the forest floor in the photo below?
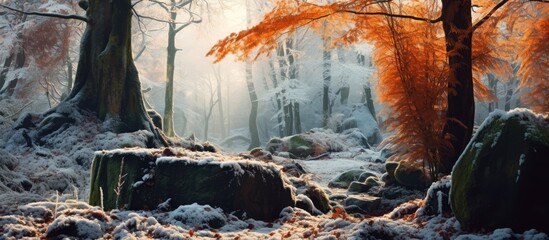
point(43, 191)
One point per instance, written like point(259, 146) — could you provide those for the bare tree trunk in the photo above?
point(509, 95)
point(168, 126)
point(294, 74)
point(278, 100)
point(456, 21)
point(254, 133)
point(20, 59)
point(220, 105)
point(326, 78)
point(252, 121)
point(285, 102)
point(367, 90)
point(5, 69)
point(493, 85)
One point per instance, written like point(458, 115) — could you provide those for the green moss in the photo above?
point(300, 146)
point(105, 177)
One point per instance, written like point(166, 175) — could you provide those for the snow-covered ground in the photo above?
point(43, 191)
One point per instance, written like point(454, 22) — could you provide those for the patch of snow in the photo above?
point(195, 215)
point(325, 169)
point(86, 229)
point(522, 159)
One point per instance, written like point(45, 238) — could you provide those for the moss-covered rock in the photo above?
point(363, 187)
point(300, 146)
point(257, 189)
point(410, 176)
point(501, 178)
point(344, 179)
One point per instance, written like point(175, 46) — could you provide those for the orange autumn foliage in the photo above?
point(412, 83)
point(533, 56)
point(410, 57)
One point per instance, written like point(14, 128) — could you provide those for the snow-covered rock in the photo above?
point(317, 142)
point(437, 201)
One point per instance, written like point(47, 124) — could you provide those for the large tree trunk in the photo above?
point(107, 81)
point(456, 19)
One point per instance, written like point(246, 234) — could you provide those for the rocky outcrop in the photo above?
point(143, 178)
point(501, 179)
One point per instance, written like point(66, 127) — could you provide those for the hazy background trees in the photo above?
point(300, 84)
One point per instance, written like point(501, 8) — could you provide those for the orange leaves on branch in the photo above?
point(413, 81)
point(286, 18)
point(534, 60)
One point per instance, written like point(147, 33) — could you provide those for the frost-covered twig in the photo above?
point(56, 204)
point(20, 110)
point(120, 183)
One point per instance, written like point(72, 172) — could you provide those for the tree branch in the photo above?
point(494, 9)
point(488, 15)
point(187, 24)
point(43, 14)
point(393, 15)
point(161, 4)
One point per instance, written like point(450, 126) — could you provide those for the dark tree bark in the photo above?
point(493, 85)
point(367, 90)
point(457, 24)
point(107, 81)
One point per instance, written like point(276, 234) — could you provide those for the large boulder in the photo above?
point(143, 178)
point(500, 180)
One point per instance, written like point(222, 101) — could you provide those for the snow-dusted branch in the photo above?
point(55, 15)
